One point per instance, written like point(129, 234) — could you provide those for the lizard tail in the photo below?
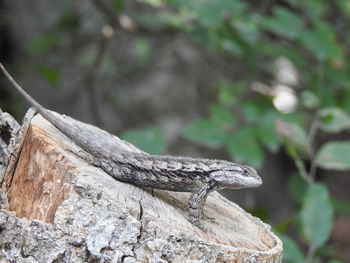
point(35, 104)
point(73, 134)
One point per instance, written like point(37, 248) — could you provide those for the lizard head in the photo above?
point(235, 176)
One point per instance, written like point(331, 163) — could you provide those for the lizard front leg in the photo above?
point(197, 202)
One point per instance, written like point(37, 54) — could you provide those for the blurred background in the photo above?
point(264, 83)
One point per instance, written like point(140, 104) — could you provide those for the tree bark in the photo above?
point(61, 209)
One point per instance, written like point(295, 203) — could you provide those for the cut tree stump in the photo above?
point(61, 209)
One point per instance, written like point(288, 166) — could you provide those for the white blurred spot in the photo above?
point(107, 31)
point(285, 99)
point(285, 72)
point(127, 23)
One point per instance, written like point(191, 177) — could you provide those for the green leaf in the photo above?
point(205, 132)
point(267, 131)
point(317, 215)
point(284, 23)
point(315, 8)
point(334, 155)
point(211, 13)
point(68, 21)
point(297, 187)
point(291, 150)
point(334, 120)
point(153, 3)
point(309, 99)
point(149, 140)
point(334, 261)
point(42, 43)
point(295, 133)
point(244, 147)
point(284, 225)
point(229, 45)
point(143, 49)
point(322, 42)
point(226, 95)
point(341, 206)
point(223, 117)
point(119, 5)
point(251, 112)
point(248, 29)
point(51, 75)
point(291, 252)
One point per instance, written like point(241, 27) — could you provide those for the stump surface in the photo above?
point(82, 214)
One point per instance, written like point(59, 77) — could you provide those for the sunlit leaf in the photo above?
point(334, 155)
point(315, 8)
point(244, 147)
point(317, 215)
point(284, 23)
point(149, 140)
point(322, 42)
point(154, 3)
point(248, 30)
point(205, 132)
point(211, 13)
point(334, 120)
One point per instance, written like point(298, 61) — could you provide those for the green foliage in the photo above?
point(341, 206)
point(297, 188)
point(248, 126)
point(205, 132)
point(334, 120)
point(42, 43)
point(291, 254)
point(309, 99)
point(321, 42)
point(244, 147)
point(334, 155)
point(284, 23)
point(317, 215)
point(149, 140)
point(119, 5)
point(266, 131)
point(222, 116)
point(143, 50)
point(51, 75)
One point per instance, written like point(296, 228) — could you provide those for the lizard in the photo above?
point(199, 176)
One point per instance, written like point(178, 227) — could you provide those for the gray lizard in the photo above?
point(174, 173)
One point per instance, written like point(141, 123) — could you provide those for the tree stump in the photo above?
point(61, 209)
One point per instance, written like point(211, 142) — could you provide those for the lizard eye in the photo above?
point(245, 171)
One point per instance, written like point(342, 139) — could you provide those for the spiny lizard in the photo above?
point(174, 173)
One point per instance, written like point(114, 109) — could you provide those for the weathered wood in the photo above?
point(61, 208)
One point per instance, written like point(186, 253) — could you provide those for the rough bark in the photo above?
point(61, 209)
